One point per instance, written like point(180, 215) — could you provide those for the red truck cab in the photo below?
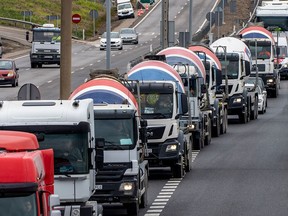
point(26, 176)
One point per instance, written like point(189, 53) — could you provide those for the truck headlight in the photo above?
point(192, 127)
point(171, 148)
point(237, 100)
point(270, 80)
point(127, 186)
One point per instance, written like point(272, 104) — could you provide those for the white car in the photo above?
point(116, 41)
point(262, 93)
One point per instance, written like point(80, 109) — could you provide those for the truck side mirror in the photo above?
point(218, 77)
point(143, 131)
point(184, 103)
point(254, 67)
point(100, 143)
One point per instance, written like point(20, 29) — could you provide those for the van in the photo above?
point(125, 9)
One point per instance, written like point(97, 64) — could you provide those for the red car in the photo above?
point(8, 72)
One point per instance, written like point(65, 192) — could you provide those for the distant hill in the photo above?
point(41, 9)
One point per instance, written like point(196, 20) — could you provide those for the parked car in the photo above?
point(8, 72)
point(116, 41)
point(129, 35)
point(262, 93)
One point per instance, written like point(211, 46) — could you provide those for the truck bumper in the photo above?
point(236, 105)
point(45, 59)
point(161, 154)
point(113, 191)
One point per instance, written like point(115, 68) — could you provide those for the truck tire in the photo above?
point(254, 112)
point(188, 164)
point(224, 125)
point(33, 65)
point(144, 197)
point(196, 142)
point(132, 208)
point(243, 117)
point(207, 140)
point(216, 129)
point(178, 169)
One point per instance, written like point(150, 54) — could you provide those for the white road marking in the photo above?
point(166, 192)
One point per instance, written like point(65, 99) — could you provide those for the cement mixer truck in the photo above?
point(120, 134)
point(263, 50)
point(162, 102)
point(236, 58)
point(217, 98)
point(193, 76)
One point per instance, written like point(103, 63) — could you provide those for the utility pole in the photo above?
point(165, 23)
point(66, 49)
point(108, 34)
point(190, 22)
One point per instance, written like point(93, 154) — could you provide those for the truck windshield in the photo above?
point(263, 49)
point(18, 204)
point(274, 21)
point(46, 36)
point(70, 152)
point(156, 105)
point(118, 133)
point(232, 69)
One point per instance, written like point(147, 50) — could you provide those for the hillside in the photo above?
point(42, 9)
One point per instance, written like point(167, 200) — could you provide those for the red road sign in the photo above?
point(76, 18)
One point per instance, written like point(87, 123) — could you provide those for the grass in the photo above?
point(42, 8)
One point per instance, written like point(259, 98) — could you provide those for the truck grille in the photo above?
point(112, 172)
point(155, 132)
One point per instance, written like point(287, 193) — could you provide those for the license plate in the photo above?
point(99, 187)
point(1, 78)
point(48, 57)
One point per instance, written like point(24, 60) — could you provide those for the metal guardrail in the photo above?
point(15, 21)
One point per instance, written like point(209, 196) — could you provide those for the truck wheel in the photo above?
point(196, 142)
point(188, 164)
point(132, 208)
point(216, 129)
point(224, 125)
point(207, 140)
point(178, 170)
point(39, 65)
point(254, 113)
point(144, 197)
point(243, 117)
point(33, 65)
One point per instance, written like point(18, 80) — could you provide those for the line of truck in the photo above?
point(114, 129)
